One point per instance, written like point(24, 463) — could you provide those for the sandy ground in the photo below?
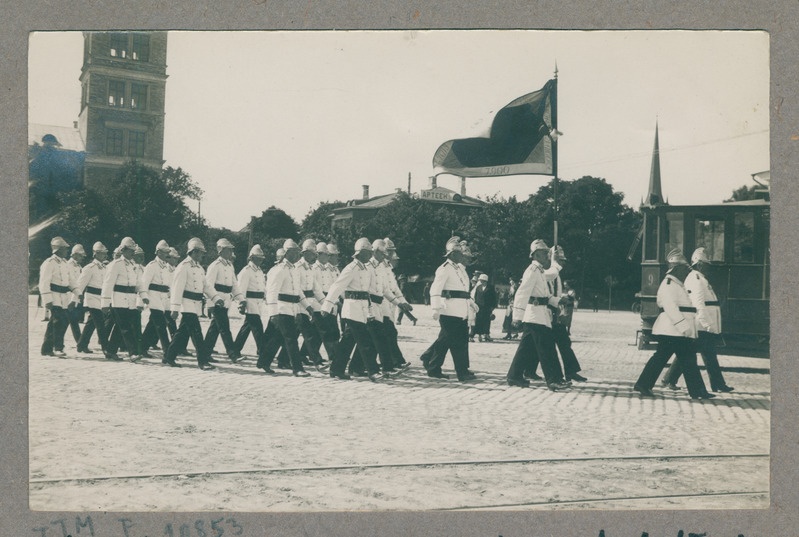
point(138, 437)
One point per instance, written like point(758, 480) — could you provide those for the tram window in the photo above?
point(744, 250)
point(710, 234)
point(674, 231)
point(651, 237)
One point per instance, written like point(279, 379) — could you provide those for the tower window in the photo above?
point(140, 49)
point(116, 93)
point(119, 45)
point(138, 96)
point(113, 142)
point(135, 144)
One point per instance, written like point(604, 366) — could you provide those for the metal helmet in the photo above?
point(289, 244)
point(138, 250)
point(332, 249)
point(280, 254)
point(78, 249)
point(321, 248)
point(309, 245)
point(195, 244)
point(223, 243)
point(676, 257)
point(536, 245)
point(99, 247)
point(173, 252)
point(257, 251)
point(389, 244)
point(700, 255)
point(453, 245)
point(127, 242)
point(58, 242)
point(379, 244)
point(162, 246)
point(362, 244)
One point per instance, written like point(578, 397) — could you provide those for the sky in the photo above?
point(292, 119)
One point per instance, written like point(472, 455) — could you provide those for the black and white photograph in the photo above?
point(398, 270)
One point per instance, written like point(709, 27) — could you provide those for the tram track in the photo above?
point(417, 464)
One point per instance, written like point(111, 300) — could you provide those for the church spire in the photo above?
point(655, 194)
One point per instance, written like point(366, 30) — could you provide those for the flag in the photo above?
point(518, 143)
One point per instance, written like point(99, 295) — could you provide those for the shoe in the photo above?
point(301, 374)
point(468, 375)
point(268, 370)
point(134, 358)
point(414, 323)
point(724, 389)
point(576, 377)
point(643, 392)
point(555, 386)
point(283, 366)
point(521, 383)
point(568, 383)
point(340, 376)
point(186, 353)
point(404, 367)
point(358, 374)
point(112, 356)
point(155, 348)
point(437, 375)
point(205, 366)
point(306, 361)
point(374, 377)
point(146, 355)
point(84, 350)
point(704, 396)
point(235, 357)
point(479, 338)
point(212, 360)
point(172, 364)
point(672, 386)
point(322, 368)
point(532, 376)
point(48, 353)
point(60, 353)
point(487, 339)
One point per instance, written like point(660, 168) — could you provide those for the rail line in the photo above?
point(420, 464)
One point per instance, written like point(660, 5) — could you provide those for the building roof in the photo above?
point(451, 197)
point(69, 137)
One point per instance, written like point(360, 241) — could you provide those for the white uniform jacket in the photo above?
point(704, 299)
point(354, 283)
point(121, 285)
point(56, 281)
point(324, 277)
point(222, 278)
point(188, 287)
point(530, 304)
point(310, 287)
point(252, 282)
point(74, 268)
point(389, 309)
point(379, 293)
point(449, 292)
point(90, 284)
point(156, 281)
point(283, 293)
point(678, 314)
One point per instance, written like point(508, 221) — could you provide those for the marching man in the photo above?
point(118, 298)
point(90, 286)
point(55, 284)
point(222, 278)
point(75, 309)
point(156, 281)
point(252, 282)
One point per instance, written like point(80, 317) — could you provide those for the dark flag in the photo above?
point(518, 143)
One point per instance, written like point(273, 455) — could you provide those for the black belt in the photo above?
point(93, 290)
point(223, 288)
point(255, 294)
point(191, 295)
point(59, 288)
point(130, 289)
point(294, 299)
point(377, 299)
point(712, 303)
point(686, 309)
point(538, 300)
point(308, 293)
point(446, 293)
point(158, 287)
point(356, 295)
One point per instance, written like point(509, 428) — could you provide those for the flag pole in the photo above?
point(554, 102)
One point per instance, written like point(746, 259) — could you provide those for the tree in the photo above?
point(316, 223)
point(273, 223)
point(743, 193)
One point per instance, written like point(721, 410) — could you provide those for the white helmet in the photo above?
point(676, 257)
point(700, 254)
point(453, 245)
point(321, 248)
point(257, 251)
point(127, 242)
point(536, 245)
point(379, 244)
point(162, 246)
point(173, 252)
point(309, 245)
point(289, 244)
point(362, 244)
point(78, 249)
point(332, 249)
point(99, 247)
point(138, 250)
point(195, 244)
point(280, 254)
point(389, 244)
point(223, 243)
point(58, 242)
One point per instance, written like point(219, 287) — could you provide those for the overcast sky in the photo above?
point(295, 118)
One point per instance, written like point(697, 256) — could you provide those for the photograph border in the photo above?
point(773, 17)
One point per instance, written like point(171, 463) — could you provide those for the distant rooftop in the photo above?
point(69, 137)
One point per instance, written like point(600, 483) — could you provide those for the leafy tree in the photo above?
point(316, 223)
point(743, 193)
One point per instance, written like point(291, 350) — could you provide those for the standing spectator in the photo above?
point(426, 293)
point(507, 324)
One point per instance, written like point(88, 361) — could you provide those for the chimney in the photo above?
point(433, 181)
point(463, 186)
point(365, 192)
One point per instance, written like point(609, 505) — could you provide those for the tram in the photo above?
point(736, 237)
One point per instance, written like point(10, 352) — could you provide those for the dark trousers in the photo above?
point(189, 328)
point(75, 316)
point(56, 328)
point(707, 348)
point(354, 333)
point(137, 330)
point(312, 339)
point(391, 336)
point(377, 332)
point(220, 326)
point(124, 324)
point(273, 340)
point(171, 325)
point(156, 330)
point(537, 344)
point(329, 332)
point(685, 350)
point(252, 325)
point(286, 325)
point(564, 344)
point(453, 336)
point(96, 321)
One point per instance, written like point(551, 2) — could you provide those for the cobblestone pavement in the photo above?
point(239, 440)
